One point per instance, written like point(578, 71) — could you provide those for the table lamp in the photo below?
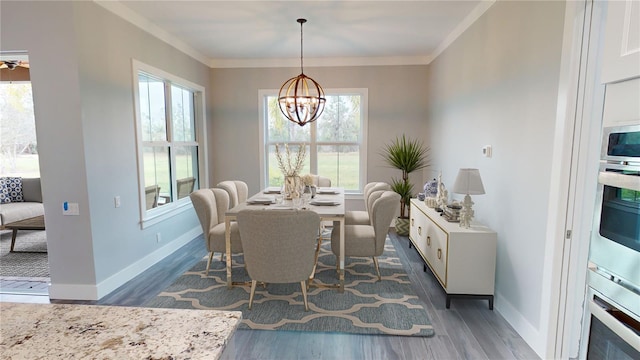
point(468, 182)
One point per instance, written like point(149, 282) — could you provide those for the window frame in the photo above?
point(313, 142)
point(176, 206)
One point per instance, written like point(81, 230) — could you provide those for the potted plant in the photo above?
point(407, 155)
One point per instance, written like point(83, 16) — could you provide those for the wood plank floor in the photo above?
point(468, 330)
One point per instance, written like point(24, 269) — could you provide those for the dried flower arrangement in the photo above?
point(307, 179)
point(293, 164)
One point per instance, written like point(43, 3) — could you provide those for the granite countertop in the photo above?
point(65, 331)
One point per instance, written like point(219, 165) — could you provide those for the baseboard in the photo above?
point(96, 292)
point(524, 328)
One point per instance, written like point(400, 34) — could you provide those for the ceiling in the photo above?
point(254, 33)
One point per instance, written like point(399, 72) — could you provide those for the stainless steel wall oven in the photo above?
point(614, 256)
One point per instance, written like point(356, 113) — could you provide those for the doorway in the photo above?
point(26, 269)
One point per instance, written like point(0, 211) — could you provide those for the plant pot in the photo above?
point(402, 226)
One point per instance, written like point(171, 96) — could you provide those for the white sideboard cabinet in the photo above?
point(463, 260)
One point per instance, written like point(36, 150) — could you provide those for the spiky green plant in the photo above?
point(407, 155)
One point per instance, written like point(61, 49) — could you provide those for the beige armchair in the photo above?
point(210, 206)
point(185, 186)
point(278, 246)
point(238, 191)
point(151, 194)
point(368, 240)
point(361, 217)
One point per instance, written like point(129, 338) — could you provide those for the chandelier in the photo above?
point(301, 99)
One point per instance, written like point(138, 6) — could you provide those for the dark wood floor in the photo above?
point(468, 330)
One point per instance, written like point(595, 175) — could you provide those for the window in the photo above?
point(19, 147)
point(336, 142)
point(169, 123)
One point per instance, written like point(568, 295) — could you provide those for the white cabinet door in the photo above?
point(621, 56)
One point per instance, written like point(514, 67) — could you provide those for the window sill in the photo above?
point(165, 212)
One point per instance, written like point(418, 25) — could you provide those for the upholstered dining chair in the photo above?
point(278, 246)
point(361, 217)
point(211, 206)
point(151, 194)
point(368, 240)
point(185, 186)
point(238, 191)
point(321, 181)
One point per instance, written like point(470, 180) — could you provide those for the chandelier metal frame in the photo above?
point(301, 99)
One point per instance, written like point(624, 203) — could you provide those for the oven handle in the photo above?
point(630, 182)
point(614, 324)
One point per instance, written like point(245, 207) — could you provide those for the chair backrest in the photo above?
point(383, 210)
point(321, 181)
point(151, 194)
point(371, 187)
point(210, 206)
point(185, 186)
point(238, 191)
point(278, 245)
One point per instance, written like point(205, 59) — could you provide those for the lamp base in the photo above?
point(466, 213)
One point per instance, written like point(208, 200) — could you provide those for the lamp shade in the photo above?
point(468, 182)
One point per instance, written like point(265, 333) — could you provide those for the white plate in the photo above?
point(261, 200)
point(327, 191)
point(324, 203)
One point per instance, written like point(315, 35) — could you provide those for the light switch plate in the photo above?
point(70, 208)
point(486, 151)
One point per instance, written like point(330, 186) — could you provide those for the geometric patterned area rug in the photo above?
point(20, 264)
point(367, 306)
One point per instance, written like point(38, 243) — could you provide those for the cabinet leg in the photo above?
point(490, 302)
point(448, 301)
point(410, 244)
point(424, 267)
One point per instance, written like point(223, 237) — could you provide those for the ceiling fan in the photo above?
point(12, 64)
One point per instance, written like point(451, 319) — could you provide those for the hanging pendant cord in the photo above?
point(301, 21)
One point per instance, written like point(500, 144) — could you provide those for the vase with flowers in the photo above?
point(291, 164)
point(309, 185)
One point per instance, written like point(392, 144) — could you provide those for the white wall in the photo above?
point(497, 84)
point(82, 83)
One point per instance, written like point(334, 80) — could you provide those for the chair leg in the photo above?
point(209, 263)
point(253, 291)
point(303, 285)
point(315, 261)
point(375, 261)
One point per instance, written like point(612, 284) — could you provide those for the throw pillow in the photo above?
point(4, 191)
point(14, 185)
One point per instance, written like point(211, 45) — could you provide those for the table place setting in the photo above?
point(328, 191)
point(320, 202)
point(261, 200)
point(272, 190)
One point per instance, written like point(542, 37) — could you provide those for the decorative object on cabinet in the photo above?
point(462, 260)
point(442, 196)
point(431, 188)
point(301, 99)
point(407, 155)
point(468, 182)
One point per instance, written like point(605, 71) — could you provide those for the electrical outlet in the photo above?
point(158, 237)
point(116, 201)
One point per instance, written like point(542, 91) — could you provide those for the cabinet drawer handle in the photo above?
point(428, 240)
point(419, 230)
point(412, 222)
point(439, 254)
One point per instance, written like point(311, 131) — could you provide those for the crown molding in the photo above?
point(473, 16)
point(127, 14)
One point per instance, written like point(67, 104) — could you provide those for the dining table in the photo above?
point(328, 203)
